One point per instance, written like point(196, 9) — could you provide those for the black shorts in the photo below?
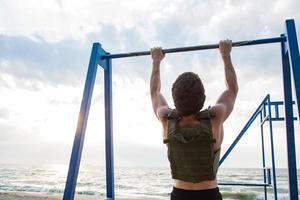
point(210, 194)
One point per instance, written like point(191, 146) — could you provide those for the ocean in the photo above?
point(130, 182)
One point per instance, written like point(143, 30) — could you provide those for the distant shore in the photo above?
point(39, 196)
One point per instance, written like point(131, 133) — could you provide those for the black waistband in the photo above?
point(179, 190)
point(208, 194)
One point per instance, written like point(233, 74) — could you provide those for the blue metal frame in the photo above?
point(241, 134)
point(289, 121)
point(109, 131)
point(290, 59)
point(263, 153)
point(293, 53)
point(198, 48)
point(81, 124)
point(277, 104)
point(264, 110)
point(272, 147)
point(97, 53)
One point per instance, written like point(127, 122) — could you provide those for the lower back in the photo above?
point(204, 185)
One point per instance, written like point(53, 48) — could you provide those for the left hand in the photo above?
point(225, 47)
point(157, 54)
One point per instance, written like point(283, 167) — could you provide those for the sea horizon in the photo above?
point(116, 166)
point(33, 181)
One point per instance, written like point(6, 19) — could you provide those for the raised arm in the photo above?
point(225, 103)
point(159, 104)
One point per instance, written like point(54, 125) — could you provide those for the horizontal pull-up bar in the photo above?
point(196, 48)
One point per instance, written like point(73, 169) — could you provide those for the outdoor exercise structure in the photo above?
point(267, 111)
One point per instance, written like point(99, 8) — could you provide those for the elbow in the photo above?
point(234, 89)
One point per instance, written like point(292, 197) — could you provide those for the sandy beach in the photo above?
point(34, 196)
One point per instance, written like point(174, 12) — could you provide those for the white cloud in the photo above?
point(45, 49)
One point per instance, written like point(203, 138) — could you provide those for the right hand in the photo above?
point(157, 54)
point(225, 47)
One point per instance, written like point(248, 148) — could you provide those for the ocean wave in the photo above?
point(240, 195)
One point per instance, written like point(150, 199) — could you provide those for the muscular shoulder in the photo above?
point(217, 124)
point(217, 112)
point(162, 113)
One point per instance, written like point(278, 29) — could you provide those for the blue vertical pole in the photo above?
point(81, 124)
point(272, 148)
point(294, 56)
point(109, 131)
point(289, 122)
point(263, 152)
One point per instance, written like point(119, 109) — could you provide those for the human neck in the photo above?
point(189, 118)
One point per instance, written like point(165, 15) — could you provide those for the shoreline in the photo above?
point(45, 196)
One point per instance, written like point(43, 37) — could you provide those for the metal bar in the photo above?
point(197, 48)
point(289, 122)
point(266, 118)
point(272, 148)
point(294, 56)
point(240, 135)
point(282, 119)
point(277, 119)
point(263, 153)
point(275, 103)
point(264, 110)
point(277, 111)
point(269, 175)
point(110, 190)
point(247, 184)
point(81, 125)
point(279, 103)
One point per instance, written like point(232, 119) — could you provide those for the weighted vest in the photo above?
point(190, 150)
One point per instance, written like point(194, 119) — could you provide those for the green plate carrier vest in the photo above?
point(190, 150)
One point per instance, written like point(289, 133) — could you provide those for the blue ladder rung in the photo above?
point(247, 184)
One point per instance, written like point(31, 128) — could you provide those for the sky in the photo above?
point(44, 53)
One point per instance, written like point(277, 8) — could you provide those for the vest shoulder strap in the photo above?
point(173, 114)
point(204, 114)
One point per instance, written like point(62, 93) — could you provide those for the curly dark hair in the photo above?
point(188, 94)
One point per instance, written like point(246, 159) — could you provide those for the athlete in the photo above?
point(193, 135)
